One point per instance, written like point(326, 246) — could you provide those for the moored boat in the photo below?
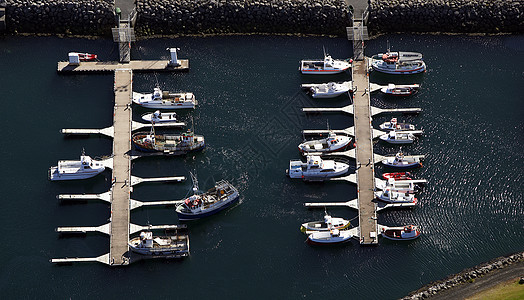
point(328, 223)
point(328, 90)
point(394, 196)
point(329, 237)
point(404, 233)
point(174, 144)
point(315, 168)
point(398, 63)
point(85, 56)
point(158, 117)
point(397, 176)
point(201, 205)
point(393, 124)
point(402, 162)
point(165, 100)
point(401, 186)
point(84, 168)
point(173, 246)
point(400, 90)
point(330, 144)
point(327, 65)
point(398, 137)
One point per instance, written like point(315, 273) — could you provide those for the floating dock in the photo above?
point(135, 65)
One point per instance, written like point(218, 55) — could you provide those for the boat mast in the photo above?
point(195, 182)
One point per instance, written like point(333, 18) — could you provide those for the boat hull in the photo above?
point(55, 176)
point(403, 166)
point(182, 216)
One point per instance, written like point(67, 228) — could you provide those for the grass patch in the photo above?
point(509, 290)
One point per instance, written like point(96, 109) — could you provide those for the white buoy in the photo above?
point(174, 60)
point(74, 58)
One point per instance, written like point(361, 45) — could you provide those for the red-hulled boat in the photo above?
point(397, 176)
point(86, 56)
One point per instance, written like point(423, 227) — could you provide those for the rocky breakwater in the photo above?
point(465, 277)
point(242, 16)
point(83, 17)
point(461, 16)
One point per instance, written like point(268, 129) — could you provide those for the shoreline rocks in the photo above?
point(452, 16)
point(465, 276)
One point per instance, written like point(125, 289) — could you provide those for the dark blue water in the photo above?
point(249, 112)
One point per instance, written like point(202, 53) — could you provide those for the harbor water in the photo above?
point(249, 111)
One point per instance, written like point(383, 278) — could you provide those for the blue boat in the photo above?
point(201, 205)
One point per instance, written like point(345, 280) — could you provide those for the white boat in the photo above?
point(395, 125)
point(394, 196)
point(172, 246)
point(328, 90)
point(328, 223)
point(399, 63)
point(201, 205)
point(330, 144)
point(326, 66)
point(158, 117)
point(397, 137)
point(400, 90)
point(327, 237)
point(402, 161)
point(316, 169)
point(402, 186)
point(84, 168)
point(168, 143)
point(404, 233)
point(165, 100)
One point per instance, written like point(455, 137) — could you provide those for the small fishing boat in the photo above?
point(400, 90)
point(404, 233)
point(326, 66)
point(201, 205)
point(398, 63)
point(316, 169)
point(397, 137)
point(158, 117)
point(329, 237)
point(393, 124)
point(397, 176)
point(395, 196)
point(402, 161)
point(330, 144)
point(328, 223)
point(173, 246)
point(328, 90)
point(401, 186)
point(85, 56)
point(173, 144)
point(165, 100)
point(84, 168)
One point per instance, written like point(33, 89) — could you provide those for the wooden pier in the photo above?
point(135, 65)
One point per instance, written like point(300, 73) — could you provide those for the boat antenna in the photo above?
point(389, 50)
point(152, 131)
point(156, 79)
point(195, 182)
point(327, 122)
point(83, 151)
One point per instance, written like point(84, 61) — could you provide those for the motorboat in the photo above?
point(399, 63)
point(84, 168)
point(400, 90)
point(315, 168)
point(332, 143)
point(325, 225)
point(158, 117)
point(329, 237)
point(201, 205)
point(395, 196)
point(402, 161)
point(397, 176)
point(85, 56)
point(328, 65)
point(398, 137)
point(172, 144)
point(404, 233)
point(165, 100)
point(329, 90)
point(393, 124)
point(401, 186)
point(172, 246)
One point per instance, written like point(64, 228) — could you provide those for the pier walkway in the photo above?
point(121, 168)
point(364, 156)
